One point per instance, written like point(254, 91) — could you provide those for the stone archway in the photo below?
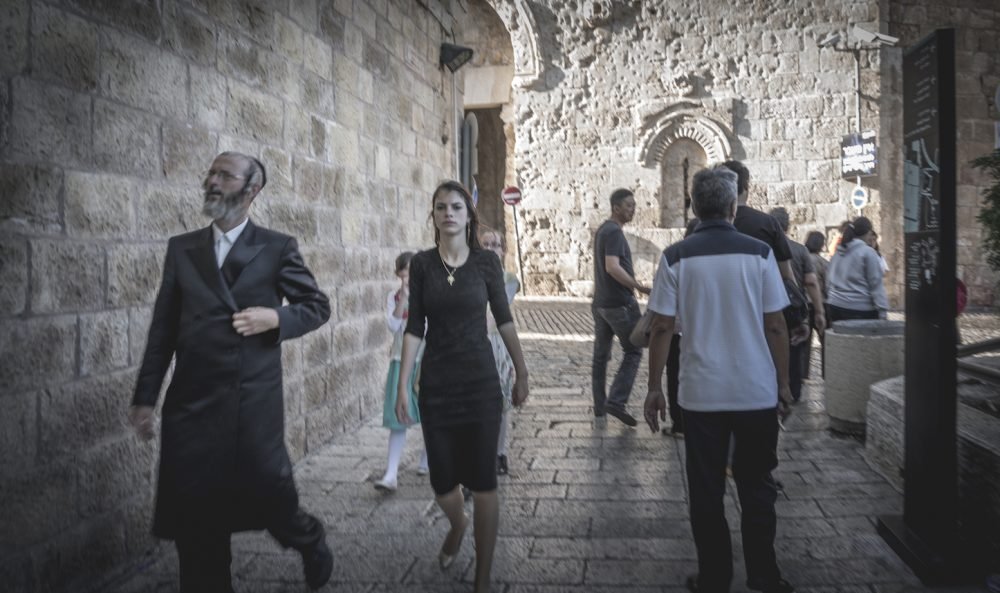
point(679, 140)
point(502, 36)
point(519, 21)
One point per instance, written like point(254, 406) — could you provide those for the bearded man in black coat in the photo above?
point(231, 293)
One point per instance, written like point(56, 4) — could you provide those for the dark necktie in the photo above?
point(229, 271)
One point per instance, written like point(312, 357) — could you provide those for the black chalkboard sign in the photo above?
point(926, 535)
point(858, 155)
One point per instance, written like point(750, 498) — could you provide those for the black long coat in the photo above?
point(223, 460)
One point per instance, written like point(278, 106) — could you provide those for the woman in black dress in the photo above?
point(459, 399)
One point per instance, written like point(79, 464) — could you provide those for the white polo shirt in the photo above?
point(719, 283)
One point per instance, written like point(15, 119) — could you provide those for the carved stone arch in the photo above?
point(680, 140)
point(520, 23)
point(712, 136)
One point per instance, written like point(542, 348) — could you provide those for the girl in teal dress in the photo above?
point(397, 309)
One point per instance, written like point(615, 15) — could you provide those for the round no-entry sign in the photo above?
point(859, 197)
point(511, 196)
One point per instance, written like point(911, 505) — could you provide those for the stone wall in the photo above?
point(609, 94)
point(109, 114)
point(977, 76)
point(625, 83)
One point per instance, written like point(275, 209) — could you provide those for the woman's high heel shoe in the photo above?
point(445, 560)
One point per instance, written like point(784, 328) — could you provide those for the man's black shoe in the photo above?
point(692, 584)
point(318, 565)
point(694, 587)
point(622, 415)
point(779, 586)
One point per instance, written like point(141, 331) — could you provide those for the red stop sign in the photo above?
point(511, 196)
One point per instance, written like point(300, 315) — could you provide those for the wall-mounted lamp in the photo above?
point(454, 56)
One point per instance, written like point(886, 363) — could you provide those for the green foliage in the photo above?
point(989, 216)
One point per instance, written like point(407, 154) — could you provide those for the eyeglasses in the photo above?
point(225, 176)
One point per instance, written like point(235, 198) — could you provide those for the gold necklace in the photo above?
point(451, 273)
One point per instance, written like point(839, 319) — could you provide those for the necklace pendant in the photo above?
point(451, 280)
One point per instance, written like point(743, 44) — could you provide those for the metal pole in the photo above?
point(857, 87)
point(458, 126)
point(520, 261)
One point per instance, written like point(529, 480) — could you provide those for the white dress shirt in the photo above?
point(224, 241)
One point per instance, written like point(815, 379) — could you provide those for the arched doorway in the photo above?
point(488, 133)
point(681, 160)
point(679, 140)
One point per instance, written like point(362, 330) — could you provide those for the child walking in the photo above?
point(397, 308)
point(492, 240)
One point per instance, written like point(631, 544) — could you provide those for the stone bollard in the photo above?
point(859, 353)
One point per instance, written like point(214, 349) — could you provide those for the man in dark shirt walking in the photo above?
point(615, 309)
point(764, 227)
point(805, 275)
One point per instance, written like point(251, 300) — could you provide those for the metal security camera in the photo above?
point(863, 35)
point(831, 39)
point(866, 36)
point(887, 39)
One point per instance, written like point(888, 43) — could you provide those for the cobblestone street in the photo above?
point(587, 506)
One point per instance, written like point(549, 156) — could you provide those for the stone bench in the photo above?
point(978, 436)
point(859, 353)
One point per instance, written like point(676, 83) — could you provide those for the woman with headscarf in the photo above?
point(854, 278)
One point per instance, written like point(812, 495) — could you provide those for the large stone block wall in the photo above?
point(109, 114)
point(977, 74)
point(610, 94)
point(622, 80)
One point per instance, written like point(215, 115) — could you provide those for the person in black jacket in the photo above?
point(219, 316)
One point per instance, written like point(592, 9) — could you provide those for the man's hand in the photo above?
point(142, 419)
point(655, 409)
point(784, 402)
point(819, 321)
point(644, 289)
point(255, 320)
point(799, 334)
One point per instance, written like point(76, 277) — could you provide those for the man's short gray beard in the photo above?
point(224, 208)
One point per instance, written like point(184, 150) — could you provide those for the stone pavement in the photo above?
point(588, 506)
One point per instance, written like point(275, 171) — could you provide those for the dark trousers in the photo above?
point(755, 436)
point(807, 350)
point(673, 381)
point(834, 314)
point(795, 368)
point(608, 323)
point(205, 557)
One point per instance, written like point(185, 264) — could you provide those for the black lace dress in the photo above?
point(460, 400)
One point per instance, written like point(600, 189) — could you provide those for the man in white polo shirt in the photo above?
point(725, 289)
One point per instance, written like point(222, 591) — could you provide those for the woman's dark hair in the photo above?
point(859, 227)
point(403, 260)
point(471, 236)
point(815, 241)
